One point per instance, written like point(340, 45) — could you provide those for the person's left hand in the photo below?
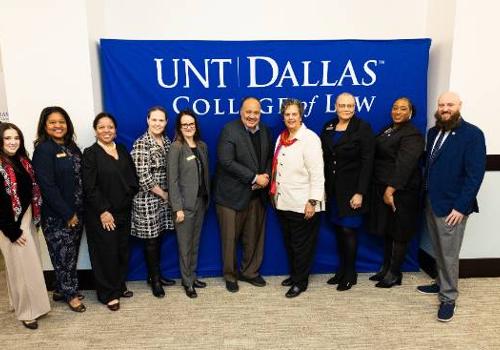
point(356, 201)
point(389, 197)
point(309, 211)
point(73, 221)
point(454, 218)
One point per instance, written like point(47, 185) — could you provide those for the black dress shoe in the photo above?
point(390, 280)
point(287, 282)
point(199, 284)
point(128, 294)
point(32, 324)
point(114, 307)
point(347, 284)
point(379, 276)
point(232, 286)
point(257, 281)
point(294, 291)
point(335, 279)
point(167, 282)
point(190, 292)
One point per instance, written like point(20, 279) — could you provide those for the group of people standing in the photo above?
point(161, 185)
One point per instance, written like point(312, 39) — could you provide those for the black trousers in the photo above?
point(109, 254)
point(300, 241)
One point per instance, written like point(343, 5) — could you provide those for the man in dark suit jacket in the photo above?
point(244, 160)
point(456, 162)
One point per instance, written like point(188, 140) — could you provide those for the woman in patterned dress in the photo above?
point(57, 163)
point(151, 214)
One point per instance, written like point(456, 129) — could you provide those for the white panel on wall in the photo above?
point(4, 115)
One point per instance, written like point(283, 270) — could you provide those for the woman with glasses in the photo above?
point(188, 182)
point(348, 154)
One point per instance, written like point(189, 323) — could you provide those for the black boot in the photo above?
point(394, 276)
point(350, 248)
point(152, 254)
point(340, 251)
point(379, 276)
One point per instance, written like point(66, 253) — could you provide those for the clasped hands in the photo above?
point(261, 181)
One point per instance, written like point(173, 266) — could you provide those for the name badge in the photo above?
point(61, 155)
point(191, 157)
point(330, 127)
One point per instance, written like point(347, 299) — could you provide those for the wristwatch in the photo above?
point(313, 202)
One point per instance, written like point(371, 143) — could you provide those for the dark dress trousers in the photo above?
point(189, 191)
point(109, 185)
point(348, 164)
point(240, 210)
point(397, 155)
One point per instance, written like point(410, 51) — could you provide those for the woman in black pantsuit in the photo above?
point(347, 143)
point(110, 183)
point(395, 196)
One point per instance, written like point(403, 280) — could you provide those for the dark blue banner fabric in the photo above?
point(211, 77)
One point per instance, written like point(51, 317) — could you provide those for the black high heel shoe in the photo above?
point(379, 276)
point(347, 284)
point(390, 280)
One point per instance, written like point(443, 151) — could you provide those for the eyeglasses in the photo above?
point(188, 125)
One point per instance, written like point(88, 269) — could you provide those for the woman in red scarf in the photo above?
point(297, 190)
point(20, 202)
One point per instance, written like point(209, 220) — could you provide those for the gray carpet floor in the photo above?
point(262, 318)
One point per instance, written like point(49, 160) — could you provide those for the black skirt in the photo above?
point(401, 224)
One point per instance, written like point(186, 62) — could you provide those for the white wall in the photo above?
point(50, 52)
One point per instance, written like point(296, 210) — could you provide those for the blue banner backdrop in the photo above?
point(211, 77)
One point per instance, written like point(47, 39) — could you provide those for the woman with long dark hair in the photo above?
point(189, 188)
point(395, 198)
point(20, 206)
point(57, 161)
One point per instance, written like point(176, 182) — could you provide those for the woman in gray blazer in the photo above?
point(189, 192)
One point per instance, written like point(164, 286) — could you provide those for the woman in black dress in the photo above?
point(395, 197)
point(347, 143)
point(109, 183)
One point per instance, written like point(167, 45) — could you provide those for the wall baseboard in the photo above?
point(482, 267)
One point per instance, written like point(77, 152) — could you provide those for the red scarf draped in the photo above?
point(10, 182)
point(283, 141)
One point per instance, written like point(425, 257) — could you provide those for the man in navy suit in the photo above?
point(456, 162)
point(244, 156)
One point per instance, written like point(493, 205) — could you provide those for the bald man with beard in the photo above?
point(455, 166)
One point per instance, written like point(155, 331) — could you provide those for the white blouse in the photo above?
point(299, 173)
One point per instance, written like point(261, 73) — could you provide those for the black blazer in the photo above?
point(55, 175)
point(106, 187)
point(397, 155)
point(348, 163)
point(237, 165)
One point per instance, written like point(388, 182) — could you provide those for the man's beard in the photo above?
point(448, 124)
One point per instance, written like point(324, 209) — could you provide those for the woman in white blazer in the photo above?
point(297, 190)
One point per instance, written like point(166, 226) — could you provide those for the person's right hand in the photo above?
point(22, 240)
point(179, 216)
point(262, 180)
point(108, 221)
